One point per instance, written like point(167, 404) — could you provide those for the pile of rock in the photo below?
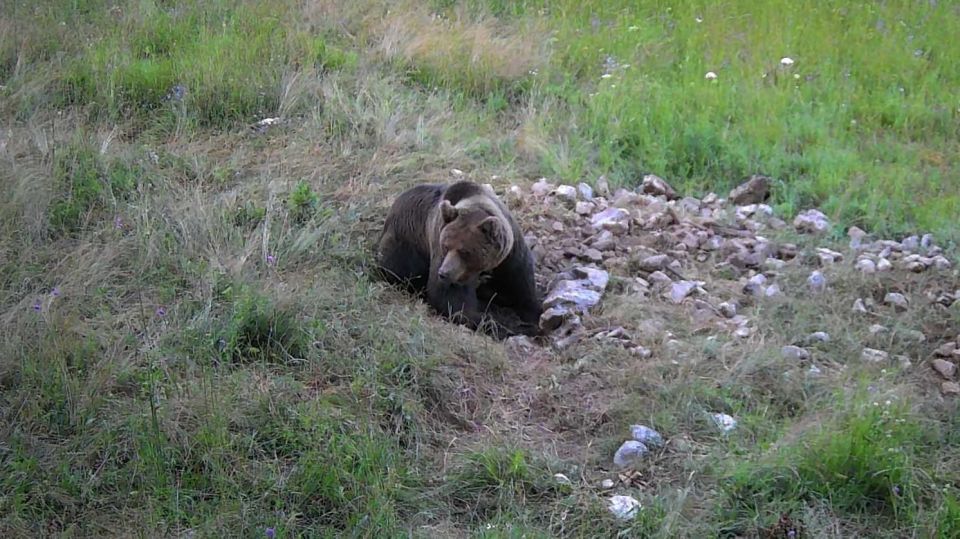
point(650, 237)
point(946, 358)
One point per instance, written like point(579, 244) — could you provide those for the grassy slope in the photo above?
point(190, 341)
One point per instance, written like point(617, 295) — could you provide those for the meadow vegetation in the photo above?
point(191, 345)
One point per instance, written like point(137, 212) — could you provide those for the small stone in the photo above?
point(817, 281)
point(603, 187)
point(811, 221)
point(787, 251)
point(583, 208)
point(742, 332)
point(877, 329)
point(616, 220)
point(659, 278)
point(914, 266)
point(754, 286)
point(514, 196)
point(818, 336)
point(553, 318)
point(595, 277)
point(859, 306)
point(725, 422)
point(541, 188)
point(654, 263)
point(945, 368)
point(646, 435)
point(814, 370)
point(573, 293)
point(681, 289)
point(562, 479)
point(856, 235)
point(910, 243)
point(557, 226)
point(772, 291)
point(873, 355)
point(585, 191)
point(605, 241)
point(566, 194)
point(606, 484)
point(866, 266)
point(828, 256)
point(946, 349)
point(728, 309)
point(593, 255)
point(753, 191)
point(794, 353)
point(897, 300)
point(774, 264)
point(950, 388)
point(926, 241)
point(629, 453)
point(941, 263)
point(657, 186)
point(884, 265)
point(624, 507)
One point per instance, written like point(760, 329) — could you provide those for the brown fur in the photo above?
point(459, 246)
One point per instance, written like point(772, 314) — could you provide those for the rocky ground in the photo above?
point(707, 259)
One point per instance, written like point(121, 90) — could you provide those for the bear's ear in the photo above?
point(447, 211)
point(490, 228)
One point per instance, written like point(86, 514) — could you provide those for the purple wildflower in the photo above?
point(117, 222)
point(55, 292)
point(37, 306)
point(271, 533)
point(161, 311)
point(271, 260)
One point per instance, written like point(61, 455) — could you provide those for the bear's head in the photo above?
point(471, 242)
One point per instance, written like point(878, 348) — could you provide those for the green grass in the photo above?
point(192, 346)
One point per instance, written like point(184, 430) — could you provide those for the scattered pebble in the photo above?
point(562, 479)
point(794, 353)
point(681, 289)
point(872, 355)
point(725, 422)
point(866, 266)
point(657, 186)
point(624, 507)
point(629, 453)
point(946, 369)
point(817, 281)
point(811, 221)
point(728, 309)
point(946, 349)
point(646, 435)
point(897, 300)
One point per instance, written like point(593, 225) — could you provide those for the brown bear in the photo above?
point(460, 247)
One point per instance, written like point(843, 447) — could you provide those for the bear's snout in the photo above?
point(452, 269)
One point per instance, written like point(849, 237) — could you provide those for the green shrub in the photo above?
point(303, 202)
